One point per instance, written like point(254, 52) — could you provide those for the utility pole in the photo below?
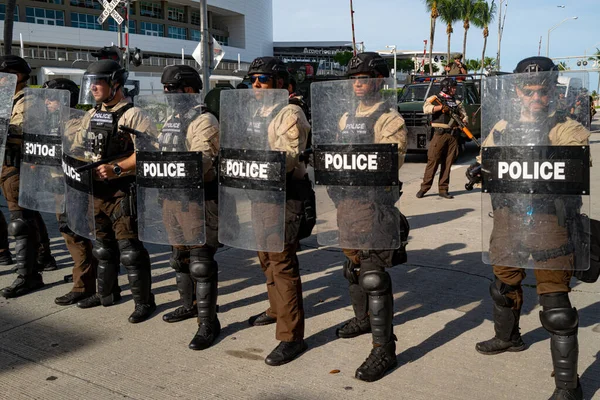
point(127, 10)
point(204, 40)
point(500, 30)
point(352, 19)
point(540, 46)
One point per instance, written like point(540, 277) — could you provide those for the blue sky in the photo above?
point(405, 23)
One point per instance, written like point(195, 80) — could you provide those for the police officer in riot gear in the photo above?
point(32, 243)
point(549, 245)
point(289, 129)
point(443, 148)
point(114, 201)
point(370, 285)
point(193, 128)
point(80, 248)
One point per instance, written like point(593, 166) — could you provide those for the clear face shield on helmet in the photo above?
point(93, 83)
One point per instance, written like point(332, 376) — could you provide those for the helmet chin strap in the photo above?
point(113, 93)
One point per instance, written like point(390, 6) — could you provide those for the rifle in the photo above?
point(106, 160)
point(138, 134)
point(454, 115)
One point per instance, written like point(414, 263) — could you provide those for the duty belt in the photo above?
point(545, 255)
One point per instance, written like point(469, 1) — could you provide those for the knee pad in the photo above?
point(105, 252)
point(180, 260)
point(133, 254)
point(499, 291)
point(351, 272)
point(376, 282)
point(558, 317)
point(203, 271)
point(18, 228)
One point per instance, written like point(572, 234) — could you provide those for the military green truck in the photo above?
point(410, 106)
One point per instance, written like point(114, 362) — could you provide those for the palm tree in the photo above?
point(449, 13)
point(467, 13)
point(433, 6)
point(596, 57)
point(8, 26)
point(472, 65)
point(562, 66)
point(484, 16)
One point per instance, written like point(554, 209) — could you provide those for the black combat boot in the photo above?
point(382, 359)
point(6, 258)
point(361, 323)
point(23, 285)
point(562, 321)
point(185, 286)
point(285, 352)
point(205, 272)
point(143, 311)
point(506, 321)
point(28, 278)
point(72, 298)
point(45, 260)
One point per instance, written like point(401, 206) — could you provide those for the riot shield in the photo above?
point(252, 173)
point(79, 199)
point(42, 184)
point(170, 191)
point(356, 164)
point(8, 82)
point(536, 176)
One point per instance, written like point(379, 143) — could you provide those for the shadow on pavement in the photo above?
point(31, 342)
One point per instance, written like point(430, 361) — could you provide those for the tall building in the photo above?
point(59, 35)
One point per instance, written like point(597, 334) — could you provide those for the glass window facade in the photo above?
point(59, 2)
point(195, 35)
point(87, 4)
point(152, 10)
point(177, 33)
point(42, 16)
point(195, 18)
point(223, 40)
point(151, 29)
point(3, 13)
point(112, 26)
point(85, 21)
point(176, 14)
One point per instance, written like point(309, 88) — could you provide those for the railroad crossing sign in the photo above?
point(110, 9)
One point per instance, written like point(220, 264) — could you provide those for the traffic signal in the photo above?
point(109, 53)
point(137, 56)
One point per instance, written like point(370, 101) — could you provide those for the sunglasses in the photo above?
point(172, 88)
point(541, 92)
point(261, 78)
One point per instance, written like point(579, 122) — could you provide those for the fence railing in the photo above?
point(44, 53)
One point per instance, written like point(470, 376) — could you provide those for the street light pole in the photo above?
point(393, 47)
point(550, 30)
point(500, 30)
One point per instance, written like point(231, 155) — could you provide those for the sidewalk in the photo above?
point(442, 309)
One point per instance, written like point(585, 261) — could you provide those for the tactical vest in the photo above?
point(441, 118)
point(174, 132)
point(103, 139)
point(362, 129)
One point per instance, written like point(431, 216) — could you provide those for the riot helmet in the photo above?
point(12, 64)
point(175, 77)
point(108, 71)
point(536, 71)
point(446, 84)
point(64, 84)
point(368, 63)
point(270, 66)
